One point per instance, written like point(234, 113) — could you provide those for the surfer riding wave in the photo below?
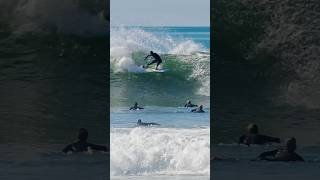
point(157, 59)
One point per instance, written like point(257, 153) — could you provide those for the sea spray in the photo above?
point(129, 46)
point(136, 151)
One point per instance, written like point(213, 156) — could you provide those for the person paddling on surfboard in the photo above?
point(82, 145)
point(156, 57)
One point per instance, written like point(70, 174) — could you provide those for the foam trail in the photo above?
point(160, 151)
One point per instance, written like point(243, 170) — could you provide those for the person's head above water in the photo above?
point(135, 104)
point(139, 121)
point(200, 107)
point(252, 128)
point(290, 144)
point(151, 52)
point(83, 134)
point(188, 102)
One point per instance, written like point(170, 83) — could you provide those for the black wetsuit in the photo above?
point(157, 59)
point(147, 124)
point(257, 139)
point(83, 147)
point(198, 110)
point(190, 105)
point(135, 108)
point(280, 155)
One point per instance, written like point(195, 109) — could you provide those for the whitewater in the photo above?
point(180, 147)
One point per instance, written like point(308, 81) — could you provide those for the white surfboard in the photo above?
point(154, 70)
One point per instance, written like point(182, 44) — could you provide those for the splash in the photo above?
point(160, 151)
point(129, 46)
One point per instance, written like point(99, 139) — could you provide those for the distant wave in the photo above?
point(145, 151)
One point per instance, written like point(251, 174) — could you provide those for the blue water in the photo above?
point(199, 35)
point(180, 146)
point(168, 117)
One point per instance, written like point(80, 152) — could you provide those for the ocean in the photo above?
point(180, 147)
point(265, 71)
point(52, 83)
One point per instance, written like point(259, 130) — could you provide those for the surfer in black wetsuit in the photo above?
point(189, 104)
point(140, 123)
point(82, 145)
point(135, 107)
point(253, 137)
point(286, 153)
point(198, 110)
point(156, 57)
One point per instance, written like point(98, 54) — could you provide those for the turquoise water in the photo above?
point(180, 146)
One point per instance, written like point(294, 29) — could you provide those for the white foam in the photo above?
point(145, 151)
point(125, 41)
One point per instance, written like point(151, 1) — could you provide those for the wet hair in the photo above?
point(151, 52)
point(83, 134)
point(200, 106)
point(253, 128)
point(290, 144)
point(139, 120)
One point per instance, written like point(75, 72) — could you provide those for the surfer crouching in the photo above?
point(82, 145)
point(157, 59)
point(140, 123)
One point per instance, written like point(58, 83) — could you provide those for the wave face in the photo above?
point(163, 151)
point(187, 59)
point(80, 17)
point(277, 41)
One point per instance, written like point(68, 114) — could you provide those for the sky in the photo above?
point(160, 12)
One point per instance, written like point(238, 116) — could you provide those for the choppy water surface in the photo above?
point(180, 147)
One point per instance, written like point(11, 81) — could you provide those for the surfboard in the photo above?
point(154, 70)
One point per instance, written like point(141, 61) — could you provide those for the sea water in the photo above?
point(52, 83)
point(180, 147)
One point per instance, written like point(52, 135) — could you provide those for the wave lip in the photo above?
point(164, 151)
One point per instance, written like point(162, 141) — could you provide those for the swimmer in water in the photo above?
point(198, 110)
point(82, 145)
point(135, 107)
point(157, 59)
point(286, 153)
point(253, 137)
point(189, 104)
point(140, 123)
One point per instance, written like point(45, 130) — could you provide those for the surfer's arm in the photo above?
point(147, 57)
point(241, 139)
point(98, 147)
point(270, 139)
point(68, 149)
point(298, 157)
point(267, 154)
